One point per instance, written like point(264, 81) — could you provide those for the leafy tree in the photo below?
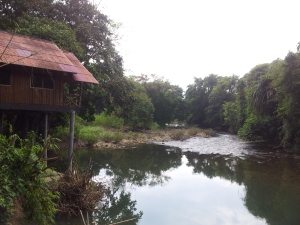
point(141, 113)
point(197, 98)
point(231, 116)
point(287, 84)
point(167, 100)
point(12, 10)
point(95, 33)
point(256, 73)
point(262, 119)
point(234, 112)
point(223, 92)
point(47, 29)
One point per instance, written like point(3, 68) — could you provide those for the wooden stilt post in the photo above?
point(1, 122)
point(70, 155)
point(25, 127)
point(46, 135)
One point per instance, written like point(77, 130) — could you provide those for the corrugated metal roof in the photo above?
point(27, 51)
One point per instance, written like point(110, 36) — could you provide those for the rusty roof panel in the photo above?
point(80, 77)
point(64, 68)
point(83, 75)
point(34, 52)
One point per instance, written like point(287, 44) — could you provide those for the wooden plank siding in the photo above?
point(21, 92)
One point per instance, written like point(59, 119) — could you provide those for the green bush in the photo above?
point(112, 137)
point(64, 132)
point(193, 131)
point(209, 132)
point(108, 121)
point(132, 135)
point(256, 128)
point(22, 178)
point(154, 126)
point(90, 134)
point(118, 137)
point(61, 132)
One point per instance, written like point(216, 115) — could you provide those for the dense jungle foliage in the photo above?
point(261, 105)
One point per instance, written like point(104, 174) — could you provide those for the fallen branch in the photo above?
point(123, 221)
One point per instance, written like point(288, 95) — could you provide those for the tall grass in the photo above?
point(178, 135)
point(193, 131)
point(108, 121)
point(210, 132)
point(90, 134)
point(112, 137)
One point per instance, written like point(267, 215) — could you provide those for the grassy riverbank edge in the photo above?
point(120, 138)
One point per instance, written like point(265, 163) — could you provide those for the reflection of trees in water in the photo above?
point(272, 189)
point(143, 165)
point(117, 208)
point(271, 183)
point(212, 165)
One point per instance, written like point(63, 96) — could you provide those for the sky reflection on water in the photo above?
point(190, 198)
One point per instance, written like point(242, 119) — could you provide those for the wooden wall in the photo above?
point(21, 92)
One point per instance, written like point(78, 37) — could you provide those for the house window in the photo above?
point(5, 78)
point(42, 81)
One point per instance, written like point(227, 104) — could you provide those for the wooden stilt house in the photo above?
point(33, 73)
point(32, 77)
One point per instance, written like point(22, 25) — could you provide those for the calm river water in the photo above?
point(209, 181)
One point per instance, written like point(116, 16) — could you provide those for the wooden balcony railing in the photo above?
point(72, 100)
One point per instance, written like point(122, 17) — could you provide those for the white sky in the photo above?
point(180, 40)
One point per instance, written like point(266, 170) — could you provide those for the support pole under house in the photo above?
point(71, 146)
point(46, 135)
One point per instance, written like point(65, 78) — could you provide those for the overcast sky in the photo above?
point(180, 40)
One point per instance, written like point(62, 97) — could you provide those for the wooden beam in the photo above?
point(37, 107)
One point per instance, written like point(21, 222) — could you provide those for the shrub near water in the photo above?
point(22, 173)
point(112, 137)
point(193, 131)
point(177, 135)
point(90, 134)
point(209, 132)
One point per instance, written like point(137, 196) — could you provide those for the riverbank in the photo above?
point(163, 135)
point(130, 138)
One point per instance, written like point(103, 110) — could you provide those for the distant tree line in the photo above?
point(261, 105)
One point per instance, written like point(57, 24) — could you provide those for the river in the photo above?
point(214, 181)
